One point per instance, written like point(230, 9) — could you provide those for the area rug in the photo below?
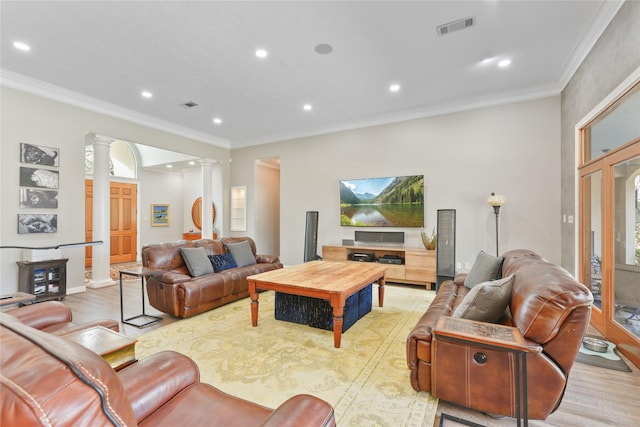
point(114, 270)
point(366, 380)
point(609, 360)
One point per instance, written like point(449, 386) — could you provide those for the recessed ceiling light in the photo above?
point(21, 46)
point(146, 94)
point(504, 63)
point(394, 87)
point(191, 163)
point(169, 166)
point(261, 53)
point(307, 107)
point(217, 120)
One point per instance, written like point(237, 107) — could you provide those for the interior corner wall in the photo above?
point(512, 149)
point(38, 120)
point(612, 59)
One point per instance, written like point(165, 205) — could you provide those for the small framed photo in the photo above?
point(37, 223)
point(34, 198)
point(160, 215)
point(39, 155)
point(42, 178)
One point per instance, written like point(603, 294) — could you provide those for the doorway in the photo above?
point(267, 205)
point(123, 220)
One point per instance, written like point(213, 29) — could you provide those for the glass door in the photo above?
point(626, 244)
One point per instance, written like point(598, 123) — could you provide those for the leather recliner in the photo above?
point(55, 318)
point(50, 381)
point(551, 310)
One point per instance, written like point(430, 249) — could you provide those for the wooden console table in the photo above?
point(419, 267)
point(196, 236)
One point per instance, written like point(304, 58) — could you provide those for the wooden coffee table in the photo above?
point(328, 280)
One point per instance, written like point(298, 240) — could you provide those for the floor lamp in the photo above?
point(496, 201)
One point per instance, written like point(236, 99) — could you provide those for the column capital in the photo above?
point(97, 139)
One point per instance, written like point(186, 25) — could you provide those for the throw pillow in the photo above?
point(486, 302)
point(241, 253)
point(222, 262)
point(486, 267)
point(196, 261)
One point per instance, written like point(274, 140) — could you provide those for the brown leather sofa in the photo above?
point(172, 290)
point(49, 381)
point(55, 318)
point(551, 310)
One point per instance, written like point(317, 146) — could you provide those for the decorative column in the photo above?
point(101, 254)
point(207, 217)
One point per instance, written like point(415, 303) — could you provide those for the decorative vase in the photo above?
point(429, 242)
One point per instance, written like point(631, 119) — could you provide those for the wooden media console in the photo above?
point(418, 267)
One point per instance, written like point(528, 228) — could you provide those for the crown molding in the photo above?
point(608, 10)
point(46, 90)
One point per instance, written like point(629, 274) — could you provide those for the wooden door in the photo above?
point(123, 214)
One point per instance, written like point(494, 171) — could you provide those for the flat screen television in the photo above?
point(396, 201)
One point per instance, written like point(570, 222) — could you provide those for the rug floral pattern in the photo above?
point(366, 380)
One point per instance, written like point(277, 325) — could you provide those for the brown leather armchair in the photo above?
point(47, 380)
point(551, 310)
point(55, 318)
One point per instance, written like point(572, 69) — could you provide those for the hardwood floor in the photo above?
point(594, 396)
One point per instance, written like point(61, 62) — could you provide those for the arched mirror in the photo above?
point(196, 213)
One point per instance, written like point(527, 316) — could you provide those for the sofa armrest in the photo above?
point(302, 409)
point(156, 379)
point(459, 279)
point(267, 259)
point(41, 316)
point(171, 277)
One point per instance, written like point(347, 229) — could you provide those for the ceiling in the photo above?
point(102, 55)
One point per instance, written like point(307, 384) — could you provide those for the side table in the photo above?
point(117, 349)
point(20, 298)
point(140, 320)
point(494, 337)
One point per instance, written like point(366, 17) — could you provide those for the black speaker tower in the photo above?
point(311, 237)
point(446, 246)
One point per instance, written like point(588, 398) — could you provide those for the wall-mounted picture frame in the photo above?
point(39, 155)
point(37, 223)
point(160, 216)
point(41, 178)
point(34, 198)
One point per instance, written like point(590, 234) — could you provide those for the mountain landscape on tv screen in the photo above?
point(383, 202)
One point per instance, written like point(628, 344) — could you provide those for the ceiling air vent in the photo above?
point(189, 104)
point(460, 24)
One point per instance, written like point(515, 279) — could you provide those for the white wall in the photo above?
point(34, 119)
point(512, 149)
point(159, 188)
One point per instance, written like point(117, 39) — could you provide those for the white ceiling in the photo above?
point(102, 54)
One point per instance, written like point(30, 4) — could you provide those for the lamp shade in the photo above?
point(496, 200)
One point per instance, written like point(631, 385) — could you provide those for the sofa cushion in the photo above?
point(241, 253)
point(486, 267)
point(222, 262)
point(196, 261)
point(486, 302)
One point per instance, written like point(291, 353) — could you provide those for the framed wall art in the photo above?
point(41, 178)
point(160, 215)
point(39, 155)
point(37, 223)
point(34, 198)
